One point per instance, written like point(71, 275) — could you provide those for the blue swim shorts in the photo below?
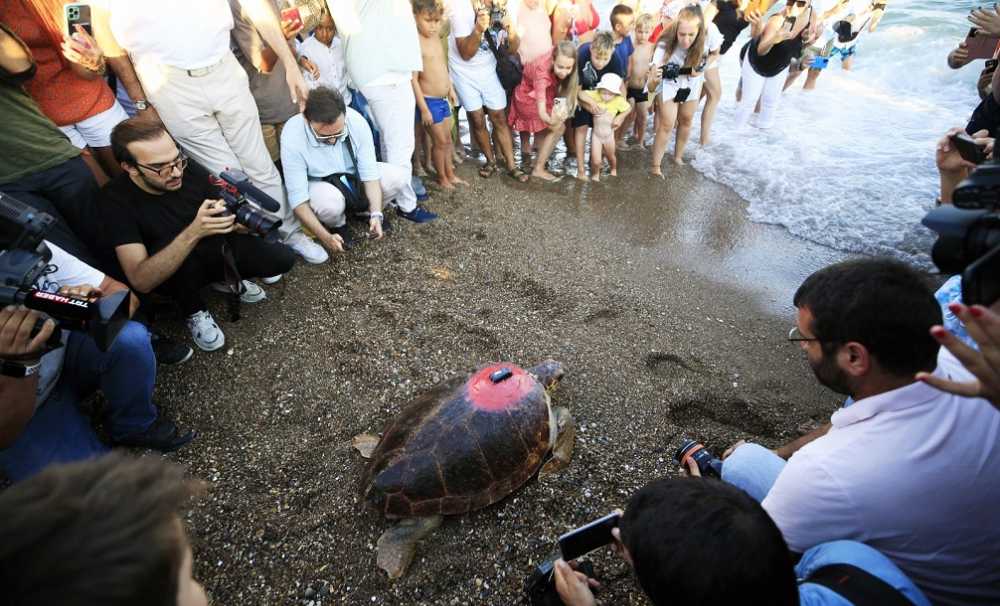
point(440, 108)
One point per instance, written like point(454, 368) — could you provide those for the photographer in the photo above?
point(40, 418)
point(169, 233)
point(693, 541)
point(864, 327)
point(106, 532)
point(328, 157)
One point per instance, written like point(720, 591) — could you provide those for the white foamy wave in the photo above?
point(903, 33)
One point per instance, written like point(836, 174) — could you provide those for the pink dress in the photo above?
point(538, 83)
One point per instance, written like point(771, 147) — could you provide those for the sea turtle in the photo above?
point(466, 443)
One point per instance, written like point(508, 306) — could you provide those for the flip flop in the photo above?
point(487, 170)
point(518, 175)
point(552, 179)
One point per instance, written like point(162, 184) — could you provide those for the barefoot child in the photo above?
point(622, 23)
point(432, 89)
point(678, 68)
point(613, 107)
point(638, 70)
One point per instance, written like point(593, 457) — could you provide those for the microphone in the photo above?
point(240, 180)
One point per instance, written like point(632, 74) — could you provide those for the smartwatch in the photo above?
point(18, 370)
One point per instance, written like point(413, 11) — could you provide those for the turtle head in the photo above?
point(548, 373)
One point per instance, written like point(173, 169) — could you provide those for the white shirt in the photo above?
point(331, 63)
point(913, 472)
point(186, 34)
point(463, 23)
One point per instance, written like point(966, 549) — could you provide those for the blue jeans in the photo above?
point(752, 468)
point(59, 432)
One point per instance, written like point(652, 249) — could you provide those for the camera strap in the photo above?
point(233, 281)
point(857, 586)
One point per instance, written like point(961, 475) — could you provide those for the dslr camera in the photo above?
point(672, 71)
point(968, 231)
point(25, 258)
point(708, 465)
point(240, 197)
point(497, 13)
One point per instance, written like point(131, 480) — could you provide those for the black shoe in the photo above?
point(162, 435)
point(345, 234)
point(168, 351)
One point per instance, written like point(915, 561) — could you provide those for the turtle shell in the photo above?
point(463, 445)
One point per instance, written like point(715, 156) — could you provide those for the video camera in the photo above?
point(25, 258)
point(240, 196)
point(969, 234)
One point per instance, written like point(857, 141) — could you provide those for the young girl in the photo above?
point(534, 29)
point(767, 59)
point(533, 105)
point(712, 90)
point(678, 68)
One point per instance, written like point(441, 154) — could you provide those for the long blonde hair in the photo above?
point(696, 53)
point(570, 85)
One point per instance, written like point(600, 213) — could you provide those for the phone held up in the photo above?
point(968, 148)
point(78, 14)
point(541, 585)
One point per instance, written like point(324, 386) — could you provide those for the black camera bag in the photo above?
point(509, 68)
point(349, 184)
point(857, 586)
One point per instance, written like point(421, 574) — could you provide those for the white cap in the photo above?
point(611, 83)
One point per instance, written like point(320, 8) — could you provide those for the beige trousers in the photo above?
point(214, 118)
point(328, 204)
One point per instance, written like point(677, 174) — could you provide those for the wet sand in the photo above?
point(668, 308)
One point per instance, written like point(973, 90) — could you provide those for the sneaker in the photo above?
point(417, 215)
point(162, 435)
point(168, 351)
point(249, 292)
point(345, 234)
point(304, 246)
point(271, 279)
point(206, 333)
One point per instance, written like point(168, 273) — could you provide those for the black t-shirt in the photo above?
point(589, 77)
point(985, 117)
point(132, 215)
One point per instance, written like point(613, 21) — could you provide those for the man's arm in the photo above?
point(17, 396)
point(786, 451)
point(145, 273)
point(265, 20)
point(304, 213)
point(469, 45)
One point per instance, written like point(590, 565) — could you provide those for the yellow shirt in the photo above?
point(615, 106)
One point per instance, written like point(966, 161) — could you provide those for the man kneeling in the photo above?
point(168, 230)
point(328, 157)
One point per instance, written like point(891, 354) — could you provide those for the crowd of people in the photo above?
point(127, 128)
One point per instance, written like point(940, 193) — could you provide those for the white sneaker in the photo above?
point(304, 246)
point(271, 279)
point(205, 332)
point(249, 292)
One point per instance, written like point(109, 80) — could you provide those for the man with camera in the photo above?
point(172, 235)
point(865, 328)
point(328, 157)
point(42, 384)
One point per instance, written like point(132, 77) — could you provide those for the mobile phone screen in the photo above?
point(587, 538)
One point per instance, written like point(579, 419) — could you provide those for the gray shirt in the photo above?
point(270, 90)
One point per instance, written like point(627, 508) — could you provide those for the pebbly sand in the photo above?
point(668, 308)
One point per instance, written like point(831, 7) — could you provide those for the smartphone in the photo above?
point(981, 280)
point(585, 539)
point(78, 14)
point(981, 45)
point(968, 148)
point(789, 23)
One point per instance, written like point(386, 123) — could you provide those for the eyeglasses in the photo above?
point(798, 3)
point(329, 139)
point(165, 170)
point(795, 336)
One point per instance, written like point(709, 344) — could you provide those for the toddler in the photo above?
point(612, 109)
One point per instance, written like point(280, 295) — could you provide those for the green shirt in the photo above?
point(30, 142)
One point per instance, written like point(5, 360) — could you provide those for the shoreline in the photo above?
point(667, 306)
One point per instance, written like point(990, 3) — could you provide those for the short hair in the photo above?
point(645, 20)
point(620, 10)
point(603, 42)
point(702, 541)
point(132, 130)
point(434, 7)
point(883, 304)
point(324, 105)
point(104, 531)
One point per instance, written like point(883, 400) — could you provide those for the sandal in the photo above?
point(518, 175)
point(486, 170)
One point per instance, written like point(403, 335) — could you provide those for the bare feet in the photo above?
point(614, 172)
point(459, 181)
point(545, 175)
point(445, 184)
point(581, 174)
point(420, 171)
point(678, 161)
point(656, 172)
point(457, 158)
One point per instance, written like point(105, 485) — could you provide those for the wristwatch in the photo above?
point(140, 104)
point(18, 370)
point(376, 215)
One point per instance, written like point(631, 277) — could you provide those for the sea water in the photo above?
point(851, 164)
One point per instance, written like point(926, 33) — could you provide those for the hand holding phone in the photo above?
point(980, 45)
point(587, 538)
point(968, 148)
point(78, 14)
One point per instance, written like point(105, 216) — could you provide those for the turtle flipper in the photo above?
point(397, 545)
point(562, 450)
point(365, 444)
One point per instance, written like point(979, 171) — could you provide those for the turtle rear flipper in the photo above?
point(398, 544)
point(562, 450)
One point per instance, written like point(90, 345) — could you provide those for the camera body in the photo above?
point(709, 466)
point(672, 71)
point(497, 14)
point(968, 240)
point(240, 197)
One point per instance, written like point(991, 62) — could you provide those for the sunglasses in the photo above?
point(329, 139)
point(798, 3)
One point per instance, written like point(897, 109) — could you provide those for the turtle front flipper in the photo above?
point(562, 450)
point(398, 544)
point(365, 444)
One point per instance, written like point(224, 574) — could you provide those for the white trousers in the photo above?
point(394, 108)
point(767, 90)
point(214, 118)
point(328, 203)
